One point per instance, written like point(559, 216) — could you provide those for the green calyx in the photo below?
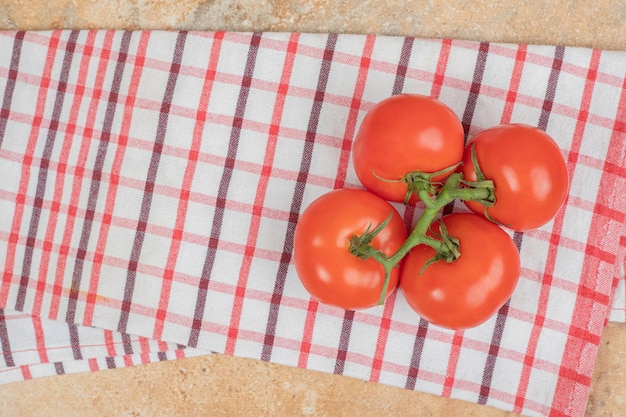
point(420, 182)
point(481, 182)
point(360, 246)
point(449, 251)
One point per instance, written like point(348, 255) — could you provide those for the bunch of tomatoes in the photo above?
point(352, 248)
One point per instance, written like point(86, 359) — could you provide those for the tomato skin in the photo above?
point(528, 171)
point(469, 290)
point(402, 134)
point(325, 266)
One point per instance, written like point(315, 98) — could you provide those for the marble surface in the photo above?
point(590, 23)
point(217, 385)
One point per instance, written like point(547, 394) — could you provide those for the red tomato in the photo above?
point(529, 174)
point(466, 292)
point(327, 269)
point(402, 134)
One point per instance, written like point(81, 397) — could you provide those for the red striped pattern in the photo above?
point(152, 182)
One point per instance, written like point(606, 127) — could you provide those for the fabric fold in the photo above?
point(33, 347)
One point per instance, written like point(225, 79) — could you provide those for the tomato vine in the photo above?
point(455, 270)
point(435, 197)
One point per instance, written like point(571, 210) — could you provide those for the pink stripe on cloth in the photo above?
point(152, 182)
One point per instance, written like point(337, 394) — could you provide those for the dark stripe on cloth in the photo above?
point(5, 341)
point(59, 368)
point(296, 202)
point(466, 121)
point(42, 177)
point(472, 99)
point(96, 177)
point(10, 85)
point(222, 193)
point(416, 357)
point(403, 65)
point(517, 239)
point(75, 342)
point(494, 349)
point(146, 201)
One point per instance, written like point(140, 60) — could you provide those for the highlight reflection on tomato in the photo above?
point(327, 269)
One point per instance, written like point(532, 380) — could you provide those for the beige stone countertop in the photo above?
point(218, 385)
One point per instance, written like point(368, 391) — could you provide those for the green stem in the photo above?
point(451, 190)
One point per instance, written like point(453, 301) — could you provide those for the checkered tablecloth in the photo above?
point(151, 182)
